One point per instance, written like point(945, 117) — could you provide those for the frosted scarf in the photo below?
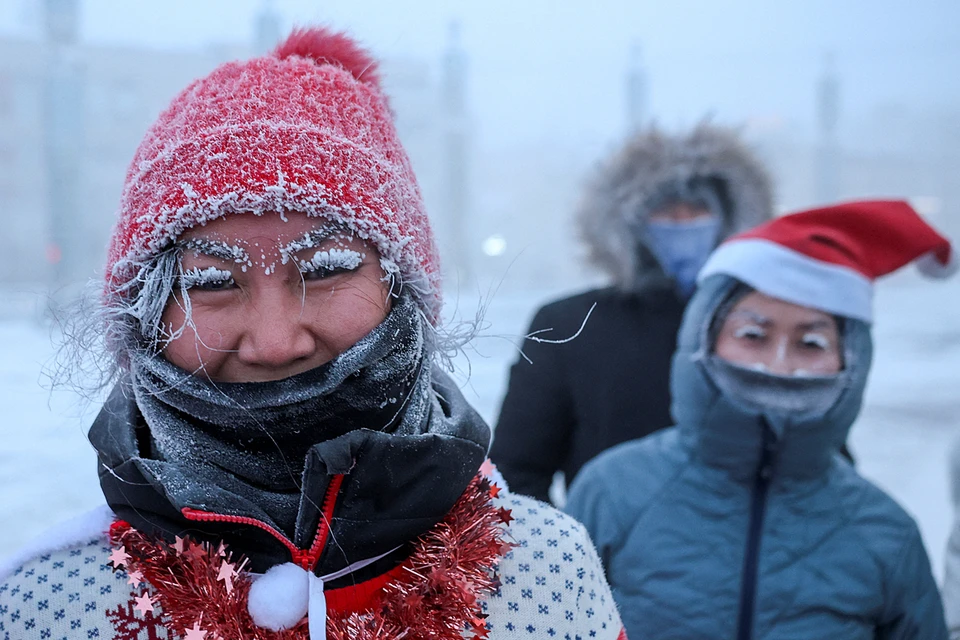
point(765, 392)
point(252, 438)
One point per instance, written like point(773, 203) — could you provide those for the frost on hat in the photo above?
point(828, 258)
point(305, 128)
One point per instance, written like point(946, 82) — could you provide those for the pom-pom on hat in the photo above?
point(828, 258)
point(305, 128)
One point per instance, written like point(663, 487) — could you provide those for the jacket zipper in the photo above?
point(306, 558)
point(751, 558)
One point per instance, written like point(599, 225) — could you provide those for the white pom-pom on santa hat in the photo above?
point(280, 598)
point(932, 267)
point(828, 258)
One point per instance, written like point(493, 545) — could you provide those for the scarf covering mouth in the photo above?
point(261, 431)
point(378, 413)
point(764, 392)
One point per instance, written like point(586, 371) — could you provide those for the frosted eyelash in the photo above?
point(332, 260)
point(816, 339)
point(197, 277)
point(749, 330)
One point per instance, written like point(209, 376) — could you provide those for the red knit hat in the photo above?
point(828, 258)
point(305, 128)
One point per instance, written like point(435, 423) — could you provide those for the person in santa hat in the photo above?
point(652, 213)
point(281, 455)
point(743, 521)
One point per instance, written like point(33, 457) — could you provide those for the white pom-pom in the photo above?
point(933, 268)
point(280, 597)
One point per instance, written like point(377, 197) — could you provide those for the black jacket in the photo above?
point(607, 386)
point(611, 384)
point(365, 491)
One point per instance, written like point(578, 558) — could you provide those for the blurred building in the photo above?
point(73, 113)
point(71, 116)
point(636, 90)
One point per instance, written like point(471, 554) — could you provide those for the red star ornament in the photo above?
point(479, 627)
point(195, 551)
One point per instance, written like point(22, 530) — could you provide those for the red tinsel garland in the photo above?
point(438, 594)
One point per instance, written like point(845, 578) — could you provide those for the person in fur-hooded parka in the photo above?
point(652, 213)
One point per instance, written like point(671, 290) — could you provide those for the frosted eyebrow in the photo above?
point(311, 240)
point(816, 325)
point(753, 316)
point(216, 249)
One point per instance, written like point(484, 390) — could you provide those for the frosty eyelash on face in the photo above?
point(749, 331)
point(817, 340)
point(336, 257)
point(313, 240)
point(209, 279)
point(330, 261)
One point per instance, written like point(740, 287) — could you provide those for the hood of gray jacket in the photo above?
point(623, 188)
point(724, 433)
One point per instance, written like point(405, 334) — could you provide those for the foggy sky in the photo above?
point(553, 71)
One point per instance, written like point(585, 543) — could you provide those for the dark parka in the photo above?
point(746, 524)
point(610, 385)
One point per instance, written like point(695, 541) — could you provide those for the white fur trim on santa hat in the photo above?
point(933, 268)
point(789, 275)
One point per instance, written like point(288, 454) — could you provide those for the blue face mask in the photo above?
point(682, 248)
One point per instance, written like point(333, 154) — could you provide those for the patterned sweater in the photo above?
point(552, 586)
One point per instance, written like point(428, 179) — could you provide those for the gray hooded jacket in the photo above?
point(741, 523)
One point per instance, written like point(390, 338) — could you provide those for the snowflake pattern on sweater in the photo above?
point(63, 595)
point(552, 588)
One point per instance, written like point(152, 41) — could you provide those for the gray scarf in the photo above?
point(252, 438)
point(764, 392)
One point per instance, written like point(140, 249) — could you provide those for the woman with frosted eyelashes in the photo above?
point(743, 521)
point(650, 216)
point(281, 456)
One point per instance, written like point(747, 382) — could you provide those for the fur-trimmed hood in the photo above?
point(619, 194)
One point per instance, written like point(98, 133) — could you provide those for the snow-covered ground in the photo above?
point(912, 414)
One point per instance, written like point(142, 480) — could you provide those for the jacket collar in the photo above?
point(363, 494)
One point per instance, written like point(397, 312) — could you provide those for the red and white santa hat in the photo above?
point(305, 128)
point(828, 258)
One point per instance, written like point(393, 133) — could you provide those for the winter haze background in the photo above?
point(504, 107)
